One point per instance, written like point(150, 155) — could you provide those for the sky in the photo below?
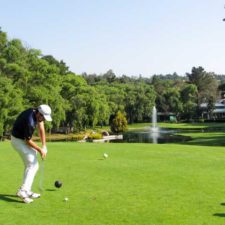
point(130, 37)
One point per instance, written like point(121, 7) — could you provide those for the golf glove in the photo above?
point(44, 148)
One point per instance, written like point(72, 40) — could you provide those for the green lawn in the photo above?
point(179, 125)
point(139, 184)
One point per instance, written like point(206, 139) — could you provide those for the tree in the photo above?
point(115, 97)
point(14, 52)
point(210, 107)
point(72, 89)
point(11, 103)
point(161, 86)
point(63, 69)
point(87, 105)
point(119, 123)
point(3, 41)
point(109, 76)
point(198, 76)
point(173, 101)
point(189, 94)
point(139, 101)
point(205, 82)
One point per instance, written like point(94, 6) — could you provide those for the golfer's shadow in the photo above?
point(220, 214)
point(50, 189)
point(10, 198)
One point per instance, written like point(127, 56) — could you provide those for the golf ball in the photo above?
point(66, 199)
point(58, 184)
point(105, 155)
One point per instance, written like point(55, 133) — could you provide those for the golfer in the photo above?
point(22, 142)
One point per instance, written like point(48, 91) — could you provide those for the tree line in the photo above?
point(29, 78)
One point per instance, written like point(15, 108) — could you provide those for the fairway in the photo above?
point(138, 184)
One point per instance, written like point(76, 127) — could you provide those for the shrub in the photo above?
point(119, 123)
point(94, 136)
point(78, 137)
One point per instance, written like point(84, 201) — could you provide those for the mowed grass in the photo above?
point(178, 125)
point(139, 184)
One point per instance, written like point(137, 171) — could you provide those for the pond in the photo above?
point(163, 135)
point(159, 137)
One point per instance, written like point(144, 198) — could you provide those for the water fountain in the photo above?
point(154, 129)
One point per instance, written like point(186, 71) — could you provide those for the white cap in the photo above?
point(45, 110)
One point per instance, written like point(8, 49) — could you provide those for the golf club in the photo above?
point(41, 188)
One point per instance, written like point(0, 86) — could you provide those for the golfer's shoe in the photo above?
point(27, 194)
point(27, 200)
point(23, 194)
point(33, 195)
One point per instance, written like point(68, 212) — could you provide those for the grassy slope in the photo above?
point(139, 184)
